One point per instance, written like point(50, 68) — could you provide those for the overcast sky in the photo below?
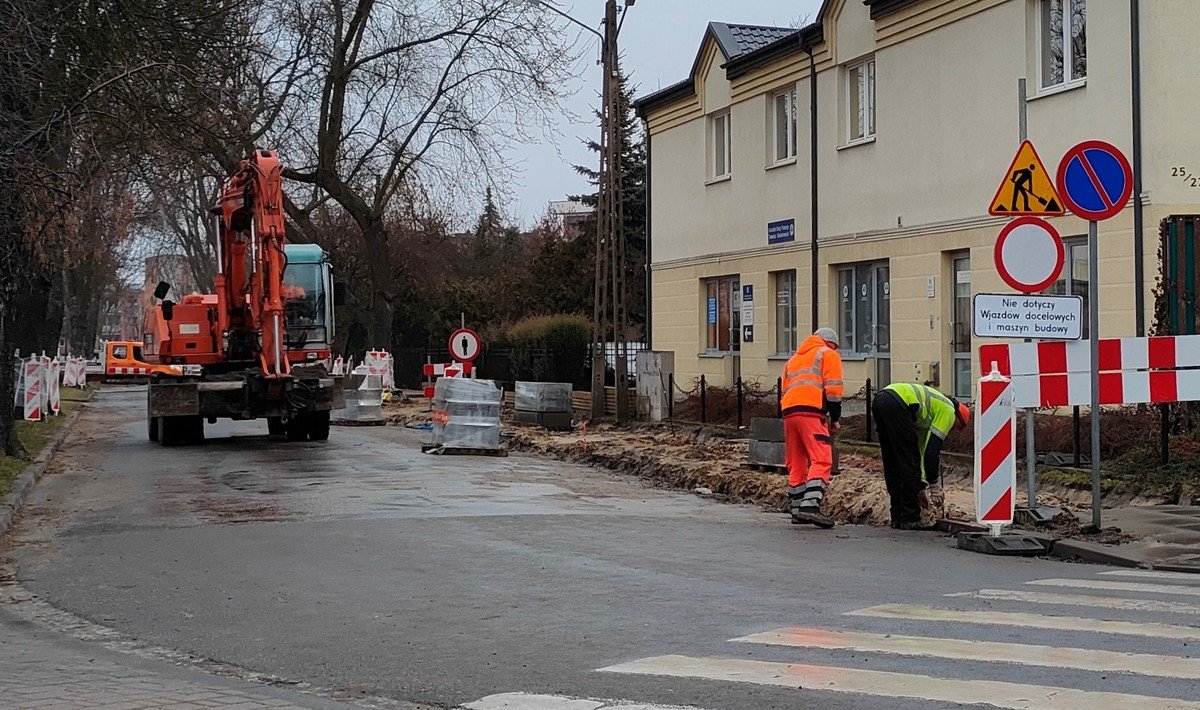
point(659, 44)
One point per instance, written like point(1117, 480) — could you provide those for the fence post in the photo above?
point(703, 401)
point(1165, 432)
point(670, 396)
point(779, 397)
point(870, 419)
point(739, 401)
point(1077, 434)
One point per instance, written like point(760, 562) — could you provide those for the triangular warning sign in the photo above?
point(1027, 188)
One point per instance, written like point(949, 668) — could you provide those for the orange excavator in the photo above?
point(262, 340)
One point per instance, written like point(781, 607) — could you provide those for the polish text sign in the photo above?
point(1022, 316)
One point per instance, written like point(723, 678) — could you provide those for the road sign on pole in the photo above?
point(1029, 254)
point(1095, 180)
point(1027, 188)
point(465, 345)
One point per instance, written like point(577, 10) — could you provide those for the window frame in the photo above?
point(847, 310)
point(1068, 277)
point(789, 330)
point(791, 129)
point(866, 95)
point(1069, 80)
point(721, 149)
point(733, 290)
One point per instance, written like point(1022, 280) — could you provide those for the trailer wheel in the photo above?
point(297, 428)
point(170, 431)
point(195, 430)
point(318, 426)
point(275, 426)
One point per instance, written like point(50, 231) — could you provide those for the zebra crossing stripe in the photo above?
point(531, 701)
point(1104, 584)
point(1008, 595)
point(1017, 696)
point(986, 651)
point(1152, 574)
point(1032, 621)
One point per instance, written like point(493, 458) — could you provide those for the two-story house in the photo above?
point(841, 175)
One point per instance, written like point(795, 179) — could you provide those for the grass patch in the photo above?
point(35, 435)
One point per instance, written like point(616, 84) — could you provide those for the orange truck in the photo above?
point(124, 359)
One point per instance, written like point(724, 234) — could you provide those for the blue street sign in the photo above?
point(747, 293)
point(712, 311)
point(1095, 180)
point(780, 232)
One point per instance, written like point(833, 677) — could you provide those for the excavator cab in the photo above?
point(308, 304)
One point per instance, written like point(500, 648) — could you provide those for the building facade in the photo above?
point(917, 117)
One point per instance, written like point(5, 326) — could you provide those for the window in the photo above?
point(720, 145)
point(1074, 278)
point(865, 308)
point(860, 94)
point(785, 312)
point(1063, 51)
point(120, 352)
point(785, 125)
point(961, 324)
point(723, 314)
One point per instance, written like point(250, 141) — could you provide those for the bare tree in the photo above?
point(405, 91)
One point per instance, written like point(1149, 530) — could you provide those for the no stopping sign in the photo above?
point(1029, 254)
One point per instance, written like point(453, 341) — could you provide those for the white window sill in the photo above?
point(856, 357)
point(718, 355)
point(718, 180)
point(857, 142)
point(781, 357)
point(1060, 89)
point(782, 164)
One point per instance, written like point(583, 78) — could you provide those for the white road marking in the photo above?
point(532, 701)
point(1152, 574)
point(1104, 584)
point(1008, 595)
point(1017, 696)
point(988, 651)
point(1033, 621)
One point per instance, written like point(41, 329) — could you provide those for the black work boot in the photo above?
point(812, 515)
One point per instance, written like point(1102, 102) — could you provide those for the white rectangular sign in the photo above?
point(1023, 316)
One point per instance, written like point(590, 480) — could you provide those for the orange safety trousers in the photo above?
point(808, 449)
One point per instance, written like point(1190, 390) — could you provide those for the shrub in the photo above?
point(551, 348)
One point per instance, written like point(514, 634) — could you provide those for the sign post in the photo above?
point(1095, 181)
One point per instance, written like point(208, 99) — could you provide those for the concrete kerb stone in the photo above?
point(28, 478)
point(1083, 551)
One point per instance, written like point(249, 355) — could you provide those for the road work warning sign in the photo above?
point(1027, 189)
point(1020, 316)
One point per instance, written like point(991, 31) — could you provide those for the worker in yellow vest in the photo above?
point(812, 404)
point(912, 421)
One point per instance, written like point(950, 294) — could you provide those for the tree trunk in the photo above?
point(8, 435)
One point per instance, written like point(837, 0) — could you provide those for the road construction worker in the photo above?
point(812, 405)
point(912, 421)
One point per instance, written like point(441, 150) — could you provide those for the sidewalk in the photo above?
point(42, 669)
point(1168, 535)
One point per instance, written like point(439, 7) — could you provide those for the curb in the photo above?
point(1094, 552)
point(28, 478)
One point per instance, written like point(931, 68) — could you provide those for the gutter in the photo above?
point(814, 276)
point(1139, 256)
point(649, 231)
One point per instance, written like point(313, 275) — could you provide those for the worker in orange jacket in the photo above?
point(812, 405)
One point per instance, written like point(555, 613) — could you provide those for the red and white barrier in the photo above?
point(444, 369)
point(32, 376)
point(379, 362)
point(75, 373)
point(995, 452)
point(1132, 371)
point(339, 367)
point(53, 400)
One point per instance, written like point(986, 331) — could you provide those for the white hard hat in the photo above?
point(829, 335)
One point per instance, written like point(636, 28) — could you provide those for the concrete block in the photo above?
point(1005, 544)
point(766, 429)
point(554, 421)
point(543, 396)
point(1095, 552)
point(767, 452)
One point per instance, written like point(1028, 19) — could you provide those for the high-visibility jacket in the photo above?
point(812, 381)
point(935, 414)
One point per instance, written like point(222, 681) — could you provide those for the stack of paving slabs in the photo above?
point(363, 404)
point(766, 445)
point(546, 404)
point(466, 414)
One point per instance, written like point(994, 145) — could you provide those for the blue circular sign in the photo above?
point(1095, 180)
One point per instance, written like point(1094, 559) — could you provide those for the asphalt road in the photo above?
point(361, 565)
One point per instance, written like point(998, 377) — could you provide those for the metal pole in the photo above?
point(779, 397)
point(1030, 445)
point(1094, 325)
point(1164, 416)
point(739, 402)
point(870, 420)
point(703, 401)
point(814, 174)
point(1078, 433)
point(671, 395)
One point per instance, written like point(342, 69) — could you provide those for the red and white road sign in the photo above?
point(995, 452)
point(1029, 254)
point(444, 369)
point(1095, 180)
point(465, 345)
point(53, 395)
point(32, 374)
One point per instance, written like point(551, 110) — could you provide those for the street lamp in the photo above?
point(609, 302)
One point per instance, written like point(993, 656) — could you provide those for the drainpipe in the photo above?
point(649, 172)
point(812, 151)
point(1139, 260)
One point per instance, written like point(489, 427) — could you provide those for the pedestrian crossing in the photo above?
point(1111, 650)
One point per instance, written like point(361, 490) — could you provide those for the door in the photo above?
point(882, 323)
point(960, 326)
